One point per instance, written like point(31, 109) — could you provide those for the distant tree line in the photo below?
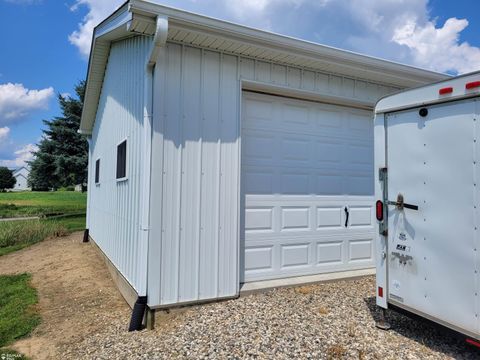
point(7, 180)
point(62, 156)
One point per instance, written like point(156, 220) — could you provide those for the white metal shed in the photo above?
point(221, 154)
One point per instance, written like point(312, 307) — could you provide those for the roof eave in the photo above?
point(138, 17)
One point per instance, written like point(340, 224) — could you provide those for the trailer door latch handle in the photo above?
point(400, 204)
point(347, 214)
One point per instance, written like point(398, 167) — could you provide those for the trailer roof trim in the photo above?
point(139, 17)
point(443, 91)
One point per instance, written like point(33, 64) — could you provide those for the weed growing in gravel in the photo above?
point(336, 352)
point(305, 290)
point(351, 330)
point(15, 235)
point(17, 314)
point(322, 310)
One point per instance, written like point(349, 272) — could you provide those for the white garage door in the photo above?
point(307, 185)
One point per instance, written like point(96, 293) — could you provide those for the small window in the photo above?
point(122, 160)
point(97, 171)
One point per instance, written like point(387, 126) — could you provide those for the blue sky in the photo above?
point(45, 44)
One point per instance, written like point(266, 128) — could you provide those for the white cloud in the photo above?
point(398, 30)
point(16, 101)
point(22, 155)
point(439, 48)
point(98, 11)
point(4, 132)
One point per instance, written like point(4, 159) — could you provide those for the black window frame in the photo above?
point(97, 171)
point(121, 169)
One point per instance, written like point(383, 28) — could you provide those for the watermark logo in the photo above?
point(9, 356)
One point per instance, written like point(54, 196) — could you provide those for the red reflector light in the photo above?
point(472, 85)
point(445, 90)
point(380, 294)
point(379, 210)
point(473, 342)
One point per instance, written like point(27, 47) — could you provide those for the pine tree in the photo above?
point(62, 156)
point(7, 181)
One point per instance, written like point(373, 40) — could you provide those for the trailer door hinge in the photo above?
point(382, 174)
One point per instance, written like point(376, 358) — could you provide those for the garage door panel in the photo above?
point(330, 253)
point(329, 184)
point(259, 146)
point(329, 217)
point(259, 258)
point(328, 151)
point(325, 119)
point(300, 169)
point(258, 181)
point(361, 216)
point(359, 184)
point(259, 219)
point(295, 218)
point(297, 255)
point(294, 183)
point(361, 250)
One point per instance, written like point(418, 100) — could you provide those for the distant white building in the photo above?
point(21, 175)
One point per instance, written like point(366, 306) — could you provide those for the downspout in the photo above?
point(86, 233)
point(159, 41)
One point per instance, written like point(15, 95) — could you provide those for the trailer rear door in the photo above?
point(432, 251)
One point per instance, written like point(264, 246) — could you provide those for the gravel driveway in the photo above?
point(84, 317)
point(328, 321)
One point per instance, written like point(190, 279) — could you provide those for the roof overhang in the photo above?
point(140, 17)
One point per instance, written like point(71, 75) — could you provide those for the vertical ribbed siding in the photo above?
point(114, 206)
point(195, 188)
point(194, 213)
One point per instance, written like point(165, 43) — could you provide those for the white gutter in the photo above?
point(159, 41)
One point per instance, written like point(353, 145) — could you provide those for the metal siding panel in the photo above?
point(229, 180)
point(279, 74)
point(294, 78)
point(172, 160)
point(160, 94)
point(190, 179)
point(199, 228)
point(263, 71)
point(247, 68)
point(114, 206)
point(208, 254)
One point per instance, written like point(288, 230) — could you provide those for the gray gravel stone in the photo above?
point(325, 321)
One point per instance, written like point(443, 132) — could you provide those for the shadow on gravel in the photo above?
point(425, 332)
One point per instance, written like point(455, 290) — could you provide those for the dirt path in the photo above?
point(76, 294)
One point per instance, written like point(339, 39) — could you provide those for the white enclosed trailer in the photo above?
point(427, 155)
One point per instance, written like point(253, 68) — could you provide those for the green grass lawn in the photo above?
point(15, 235)
point(33, 203)
point(18, 316)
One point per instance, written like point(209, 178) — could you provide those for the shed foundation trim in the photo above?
point(127, 290)
point(260, 286)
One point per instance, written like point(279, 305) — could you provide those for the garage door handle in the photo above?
point(347, 214)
